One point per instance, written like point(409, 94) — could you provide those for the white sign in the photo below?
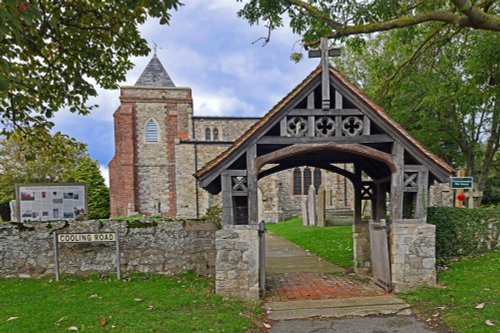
point(86, 238)
point(49, 202)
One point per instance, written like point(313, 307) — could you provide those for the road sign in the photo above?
point(461, 182)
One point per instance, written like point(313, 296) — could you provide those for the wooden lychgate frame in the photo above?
point(307, 129)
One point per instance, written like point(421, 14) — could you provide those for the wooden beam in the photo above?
point(227, 199)
point(397, 183)
point(357, 193)
point(253, 212)
point(330, 112)
point(422, 197)
point(375, 138)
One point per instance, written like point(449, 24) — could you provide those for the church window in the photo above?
point(151, 131)
point(216, 134)
point(207, 134)
point(317, 179)
point(307, 179)
point(297, 181)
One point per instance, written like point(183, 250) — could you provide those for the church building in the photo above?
point(160, 144)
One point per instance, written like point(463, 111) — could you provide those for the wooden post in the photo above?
point(357, 193)
point(253, 210)
point(422, 197)
point(227, 199)
point(459, 203)
point(397, 183)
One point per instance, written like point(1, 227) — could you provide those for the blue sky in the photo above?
point(208, 48)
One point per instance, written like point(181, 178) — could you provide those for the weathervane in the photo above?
point(155, 47)
point(324, 53)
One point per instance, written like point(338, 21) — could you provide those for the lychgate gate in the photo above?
point(324, 121)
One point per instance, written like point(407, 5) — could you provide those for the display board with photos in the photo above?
point(49, 202)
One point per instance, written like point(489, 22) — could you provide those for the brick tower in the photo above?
point(153, 114)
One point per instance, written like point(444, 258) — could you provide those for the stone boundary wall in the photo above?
point(237, 263)
point(166, 247)
point(413, 255)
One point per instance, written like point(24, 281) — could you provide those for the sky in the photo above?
point(208, 48)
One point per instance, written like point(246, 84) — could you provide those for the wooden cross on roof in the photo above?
point(324, 53)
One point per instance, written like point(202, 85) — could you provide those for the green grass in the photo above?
point(144, 303)
point(464, 285)
point(333, 244)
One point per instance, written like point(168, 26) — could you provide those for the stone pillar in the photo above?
point(311, 205)
point(413, 255)
point(361, 247)
point(321, 207)
point(305, 214)
point(237, 261)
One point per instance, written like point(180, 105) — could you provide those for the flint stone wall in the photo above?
point(168, 247)
point(413, 255)
point(237, 262)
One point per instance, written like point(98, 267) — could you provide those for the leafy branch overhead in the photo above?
point(54, 53)
point(339, 19)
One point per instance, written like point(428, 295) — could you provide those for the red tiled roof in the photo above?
point(375, 107)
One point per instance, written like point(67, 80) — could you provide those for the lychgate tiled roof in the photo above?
point(155, 75)
point(370, 103)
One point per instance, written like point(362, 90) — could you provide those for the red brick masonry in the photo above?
point(315, 286)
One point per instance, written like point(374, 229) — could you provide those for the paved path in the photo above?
point(303, 291)
point(385, 324)
point(294, 274)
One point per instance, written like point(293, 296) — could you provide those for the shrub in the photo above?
point(464, 232)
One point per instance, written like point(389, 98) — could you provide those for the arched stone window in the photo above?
point(317, 179)
point(297, 181)
point(151, 131)
point(307, 179)
point(216, 134)
point(207, 134)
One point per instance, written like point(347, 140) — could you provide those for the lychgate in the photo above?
point(324, 121)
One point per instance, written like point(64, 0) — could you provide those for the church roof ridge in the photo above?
point(155, 75)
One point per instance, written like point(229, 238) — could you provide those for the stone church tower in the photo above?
point(160, 144)
point(152, 115)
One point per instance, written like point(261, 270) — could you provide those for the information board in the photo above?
point(49, 202)
point(461, 182)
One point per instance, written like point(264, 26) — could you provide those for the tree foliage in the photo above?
point(445, 91)
point(54, 52)
point(87, 172)
point(22, 161)
point(340, 18)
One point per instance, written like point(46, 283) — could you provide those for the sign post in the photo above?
point(101, 237)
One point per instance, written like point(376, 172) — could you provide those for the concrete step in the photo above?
point(356, 306)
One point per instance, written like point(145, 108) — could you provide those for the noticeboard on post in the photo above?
point(51, 202)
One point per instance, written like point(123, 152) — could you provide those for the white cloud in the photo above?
point(105, 173)
point(220, 103)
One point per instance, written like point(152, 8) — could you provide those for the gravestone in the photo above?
point(311, 205)
point(13, 210)
point(305, 217)
point(321, 207)
point(328, 198)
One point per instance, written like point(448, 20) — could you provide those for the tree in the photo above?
point(21, 161)
point(446, 92)
point(341, 18)
point(54, 51)
point(87, 172)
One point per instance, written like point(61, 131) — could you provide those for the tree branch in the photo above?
point(473, 17)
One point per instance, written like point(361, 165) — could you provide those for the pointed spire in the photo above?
point(155, 75)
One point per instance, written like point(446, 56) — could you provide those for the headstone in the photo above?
point(321, 207)
point(129, 209)
point(305, 216)
point(13, 210)
point(328, 198)
point(311, 205)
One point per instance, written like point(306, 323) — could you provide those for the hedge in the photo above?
point(464, 232)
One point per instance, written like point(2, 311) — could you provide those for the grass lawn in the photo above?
point(464, 285)
point(333, 244)
point(144, 303)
